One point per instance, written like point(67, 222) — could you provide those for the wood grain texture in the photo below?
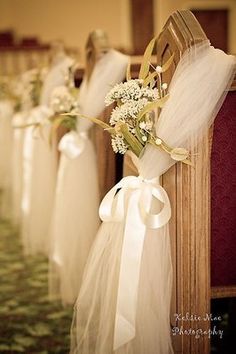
point(188, 189)
point(105, 156)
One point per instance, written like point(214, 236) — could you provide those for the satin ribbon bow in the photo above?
point(39, 115)
point(131, 200)
point(72, 144)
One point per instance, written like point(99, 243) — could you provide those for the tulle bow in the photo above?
point(132, 198)
point(72, 144)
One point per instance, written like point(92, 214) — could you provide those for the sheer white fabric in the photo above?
point(75, 220)
point(196, 92)
point(55, 77)
point(17, 166)
point(40, 160)
point(6, 113)
point(204, 85)
point(39, 166)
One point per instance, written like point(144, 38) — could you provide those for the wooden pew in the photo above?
point(189, 192)
point(188, 189)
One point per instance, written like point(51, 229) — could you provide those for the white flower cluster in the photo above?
point(29, 79)
point(4, 87)
point(131, 90)
point(118, 144)
point(62, 101)
point(128, 112)
point(26, 89)
point(131, 97)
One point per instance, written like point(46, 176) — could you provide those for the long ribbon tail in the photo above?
point(129, 274)
point(138, 219)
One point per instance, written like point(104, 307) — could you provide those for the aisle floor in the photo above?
point(29, 323)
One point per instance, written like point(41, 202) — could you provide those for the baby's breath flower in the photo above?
point(130, 90)
point(26, 89)
point(118, 144)
point(62, 100)
point(131, 98)
point(128, 112)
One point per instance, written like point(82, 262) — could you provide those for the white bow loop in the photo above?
point(72, 144)
point(132, 199)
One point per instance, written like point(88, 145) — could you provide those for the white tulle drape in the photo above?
point(19, 118)
point(75, 220)
point(6, 113)
point(39, 166)
point(196, 93)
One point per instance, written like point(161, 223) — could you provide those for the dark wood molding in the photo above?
point(222, 292)
point(142, 24)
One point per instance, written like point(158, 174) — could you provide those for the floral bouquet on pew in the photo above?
point(5, 92)
point(26, 89)
point(137, 101)
point(64, 100)
point(22, 90)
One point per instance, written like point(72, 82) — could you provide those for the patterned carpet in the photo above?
point(29, 323)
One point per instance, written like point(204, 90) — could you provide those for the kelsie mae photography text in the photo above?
point(197, 332)
point(194, 317)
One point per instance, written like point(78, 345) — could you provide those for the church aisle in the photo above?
point(29, 323)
